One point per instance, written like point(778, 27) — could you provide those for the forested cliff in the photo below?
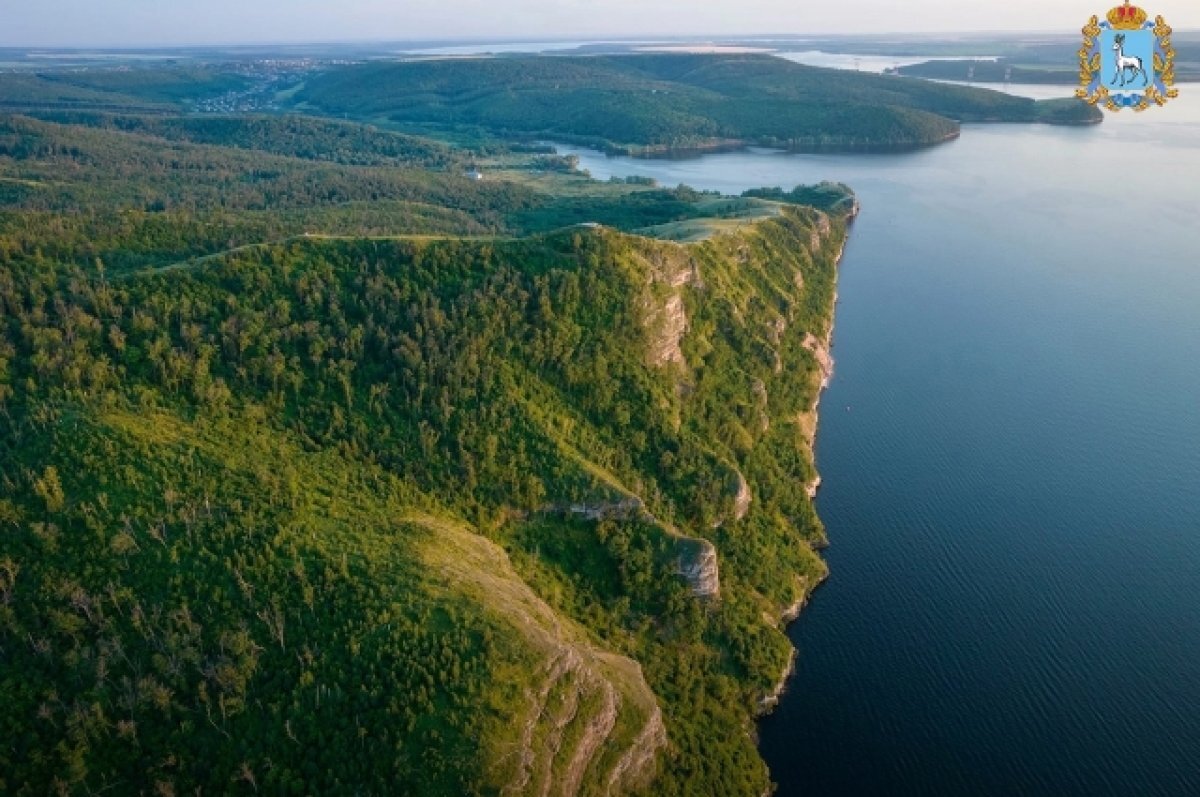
point(424, 514)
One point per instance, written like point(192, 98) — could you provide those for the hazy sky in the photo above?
point(28, 23)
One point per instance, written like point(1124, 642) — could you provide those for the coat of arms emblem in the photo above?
point(1126, 60)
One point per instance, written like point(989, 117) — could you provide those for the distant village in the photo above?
point(270, 77)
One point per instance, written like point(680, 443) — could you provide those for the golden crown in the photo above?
point(1126, 17)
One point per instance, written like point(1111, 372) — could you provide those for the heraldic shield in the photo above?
point(1126, 60)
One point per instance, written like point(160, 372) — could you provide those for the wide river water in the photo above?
point(1011, 456)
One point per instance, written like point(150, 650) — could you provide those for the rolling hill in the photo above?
point(645, 104)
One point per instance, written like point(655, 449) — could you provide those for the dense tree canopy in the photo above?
point(334, 514)
point(639, 103)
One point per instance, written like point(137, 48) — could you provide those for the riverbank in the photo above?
point(970, 366)
point(822, 351)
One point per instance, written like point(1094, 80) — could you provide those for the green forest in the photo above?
point(645, 104)
point(390, 454)
point(330, 470)
point(641, 104)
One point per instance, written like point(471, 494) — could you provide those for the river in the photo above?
point(1011, 459)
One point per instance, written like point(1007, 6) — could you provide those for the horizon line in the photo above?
point(615, 38)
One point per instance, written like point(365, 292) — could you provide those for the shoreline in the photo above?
point(828, 363)
point(806, 146)
point(771, 699)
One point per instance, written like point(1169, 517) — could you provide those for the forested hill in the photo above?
point(458, 508)
point(647, 103)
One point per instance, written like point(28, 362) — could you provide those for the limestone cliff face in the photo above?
point(698, 565)
point(624, 509)
point(664, 313)
point(669, 323)
point(807, 421)
point(820, 232)
point(820, 351)
point(742, 497)
point(567, 739)
point(764, 315)
point(730, 330)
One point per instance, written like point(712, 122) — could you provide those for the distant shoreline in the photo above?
point(1001, 72)
point(720, 146)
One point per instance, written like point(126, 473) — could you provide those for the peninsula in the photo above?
point(663, 103)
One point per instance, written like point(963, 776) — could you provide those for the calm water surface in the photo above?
point(1011, 455)
point(867, 63)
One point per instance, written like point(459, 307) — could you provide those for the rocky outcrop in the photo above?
point(770, 700)
point(666, 318)
point(739, 492)
point(808, 420)
point(813, 486)
point(630, 508)
point(805, 588)
point(631, 770)
point(820, 232)
point(697, 563)
point(779, 326)
point(742, 497)
point(820, 352)
point(667, 323)
point(565, 739)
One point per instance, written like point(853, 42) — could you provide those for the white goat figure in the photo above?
point(1127, 62)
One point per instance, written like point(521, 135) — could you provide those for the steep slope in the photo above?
point(210, 605)
point(428, 515)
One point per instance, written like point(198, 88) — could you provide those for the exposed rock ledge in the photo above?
point(670, 323)
point(742, 498)
point(772, 698)
point(697, 560)
point(808, 420)
point(570, 724)
point(666, 320)
point(625, 509)
point(820, 349)
point(697, 563)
